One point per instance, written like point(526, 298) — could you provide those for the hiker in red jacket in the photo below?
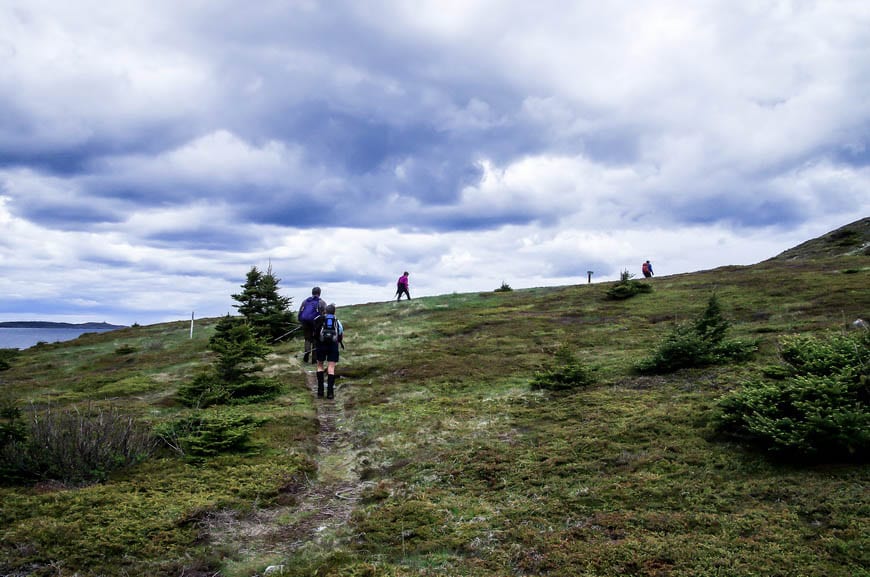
point(646, 269)
point(402, 287)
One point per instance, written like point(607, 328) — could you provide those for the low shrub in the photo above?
point(504, 288)
point(254, 390)
point(125, 350)
point(208, 433)
point(207, 389)
point(819, 410)
point(238, 350)
point(566, 374)
point(627, 287)
point(6, 356)
point(699, 344)
point(231, 378)
point(72, 445)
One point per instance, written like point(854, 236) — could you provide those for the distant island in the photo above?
point(51, 325)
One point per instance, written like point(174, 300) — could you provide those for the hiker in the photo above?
point(646, 269)
point(311, 308)
point(330, 335)
point(402, 287)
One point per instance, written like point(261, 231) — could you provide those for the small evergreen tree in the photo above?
point(712, 324)
point(263, 307)
point(231, 379)
point(816, 407)
point(627, 287)
point(567, 373)
point(238, 350)
point(699, 344)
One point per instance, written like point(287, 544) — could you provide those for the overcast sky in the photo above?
point(152, 152)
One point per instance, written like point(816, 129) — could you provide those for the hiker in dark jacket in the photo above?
point(311, 308)
point(402, 287)
point(330, 335)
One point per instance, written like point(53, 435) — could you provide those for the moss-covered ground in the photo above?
point(462, 469)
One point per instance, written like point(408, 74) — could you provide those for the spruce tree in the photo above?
point(267, 312)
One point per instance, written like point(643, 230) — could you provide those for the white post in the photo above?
point(191, 324)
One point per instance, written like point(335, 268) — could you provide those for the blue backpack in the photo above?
point(310, 309)
point(329, 329)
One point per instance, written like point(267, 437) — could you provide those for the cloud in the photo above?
point(152, 152)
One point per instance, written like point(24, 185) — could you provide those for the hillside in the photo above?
point(851, 239)
point(437, 458)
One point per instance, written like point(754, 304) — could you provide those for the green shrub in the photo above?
point(238, 350)
point(6, 355)
point(208, 433)
point(568, 373)
point(804, 354)
point(125, 350)
point(627, 287)
point(205, 390)
point(254, 390)
point(231, 379)
point(504, 288)
point(818, 411)
point(72, 446)
point(699, 344)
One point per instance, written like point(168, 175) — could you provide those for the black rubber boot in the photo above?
point(319, 383)
point(330, 386)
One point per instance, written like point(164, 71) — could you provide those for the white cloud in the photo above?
point(143, 144)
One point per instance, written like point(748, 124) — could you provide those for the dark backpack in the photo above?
point(329, 329)
point(310, 309)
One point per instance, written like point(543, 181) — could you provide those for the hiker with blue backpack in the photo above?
point(311, 308)
point(329, 335)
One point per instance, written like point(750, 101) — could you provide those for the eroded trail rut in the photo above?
point(318, 510)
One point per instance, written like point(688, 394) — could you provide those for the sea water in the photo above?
point(23, 338)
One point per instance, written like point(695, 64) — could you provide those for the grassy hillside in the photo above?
point(437, 458)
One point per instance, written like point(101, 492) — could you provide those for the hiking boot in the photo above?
point(330, 386)
point(320, 384)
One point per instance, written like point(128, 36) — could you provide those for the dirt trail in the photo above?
point(319, 509)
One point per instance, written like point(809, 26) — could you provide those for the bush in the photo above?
point(209, 433)
point(238, 350)
point(6, 355)
point(71, 446)
point(627, 287)
point(699, 344)
point(205, 390)
point(818, 411)
point(231, 378)
point(568, 373)
point(125, 350)
point(504, 288)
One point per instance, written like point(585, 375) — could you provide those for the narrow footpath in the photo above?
point(321, 507)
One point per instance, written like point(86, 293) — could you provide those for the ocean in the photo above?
point(23, 338)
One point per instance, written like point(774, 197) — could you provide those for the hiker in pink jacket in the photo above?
point(402, 287)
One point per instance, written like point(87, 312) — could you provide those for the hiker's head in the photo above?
point(315, 291)
point(406, 273)
point(330, 309)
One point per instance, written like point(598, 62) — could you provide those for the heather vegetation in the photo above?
point(490, 434)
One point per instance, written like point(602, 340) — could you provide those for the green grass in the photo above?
point(467, 470)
